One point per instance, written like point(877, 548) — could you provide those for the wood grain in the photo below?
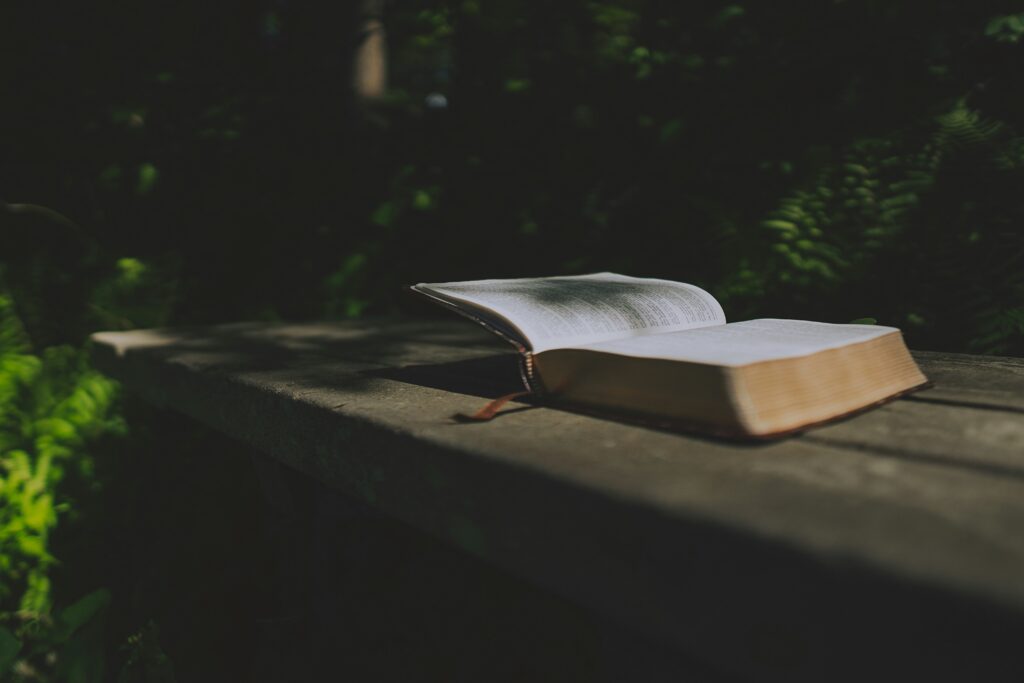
point(894, 536)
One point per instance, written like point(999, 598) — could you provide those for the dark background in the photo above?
point(206, 162)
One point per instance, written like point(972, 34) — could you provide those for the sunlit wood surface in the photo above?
point(892, 539)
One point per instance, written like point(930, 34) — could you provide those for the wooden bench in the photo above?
point(889, 545)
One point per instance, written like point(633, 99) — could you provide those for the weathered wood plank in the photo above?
point(980, 381)
point(973, 417)
point(826, 552)
point(983, 439)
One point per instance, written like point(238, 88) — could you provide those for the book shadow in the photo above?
point(487, 376)
point(491, 377)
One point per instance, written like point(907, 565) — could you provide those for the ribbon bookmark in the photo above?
point(489, 411)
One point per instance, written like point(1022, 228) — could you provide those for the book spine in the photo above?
point(528, 373)
point(527, 368)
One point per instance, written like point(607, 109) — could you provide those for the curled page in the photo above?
point(557, 312)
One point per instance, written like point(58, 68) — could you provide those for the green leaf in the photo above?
point(79, 613)
point(9, 649)
point(421, 200)
point(33, 546)
point(55, 427)
point(782, 226)
point(728, 13)
point(82, 660)
point(864, 321)
point(385, 214)
point(517, 84)
point(670, 130)
point(36, 598)
point(39, 514)
point(148, 175)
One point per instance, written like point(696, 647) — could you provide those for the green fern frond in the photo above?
point(964, 137)
point(13, 339)
point(962, 128)
point(1001, 332)
point(939, 218)
point(850, 211)
point(51, 406)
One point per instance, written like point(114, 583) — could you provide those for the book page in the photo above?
point(556, 312)
point(746, 342)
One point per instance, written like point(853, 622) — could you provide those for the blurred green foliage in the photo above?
point(833, 160)
point(67, 645)
point(52, 406)
point(823, 160)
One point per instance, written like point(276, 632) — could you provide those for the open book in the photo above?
point(663, 350)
